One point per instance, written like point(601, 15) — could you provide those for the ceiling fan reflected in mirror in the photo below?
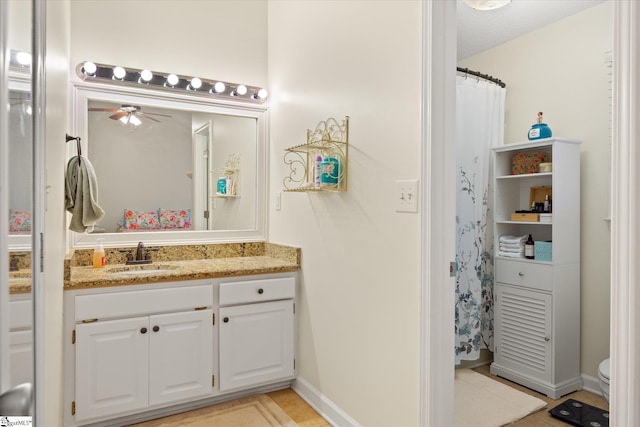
point(129, 114)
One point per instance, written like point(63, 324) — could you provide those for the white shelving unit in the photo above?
point(537, 303)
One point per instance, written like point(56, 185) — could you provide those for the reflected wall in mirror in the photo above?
point(20, 165)
point(170, 168)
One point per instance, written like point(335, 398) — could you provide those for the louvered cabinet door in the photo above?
point(523, 331)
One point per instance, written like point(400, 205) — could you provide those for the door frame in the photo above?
point(438, 213)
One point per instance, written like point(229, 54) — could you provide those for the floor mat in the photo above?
point(580, 414)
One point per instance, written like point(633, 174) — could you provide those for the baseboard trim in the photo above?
point(591, 384)
point(322, 404)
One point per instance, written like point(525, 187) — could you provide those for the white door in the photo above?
point(21, 350)
point(523, 331)
point(181, 348)
point(256, 344)
point(112, 372)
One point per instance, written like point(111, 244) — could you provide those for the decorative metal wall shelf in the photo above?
point(330, 140)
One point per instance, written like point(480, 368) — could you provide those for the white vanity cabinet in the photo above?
point(21, 339)
point(537, 302)
point(142, 349)
point(256, 332)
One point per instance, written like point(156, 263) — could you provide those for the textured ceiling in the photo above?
point(481, 30)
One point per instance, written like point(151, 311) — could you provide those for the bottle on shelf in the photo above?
point(529, 248)
point(546, 203)
point(317, 171)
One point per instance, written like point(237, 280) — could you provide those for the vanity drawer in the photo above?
point(251, 291)
point(134, 303)
point(522, 273)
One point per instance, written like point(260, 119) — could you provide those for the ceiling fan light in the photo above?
point(119, 73)
point(125, 119)
point(134, 120)
point(487, 4)
point(89, 68)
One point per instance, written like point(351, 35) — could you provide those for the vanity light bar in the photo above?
point(91, 71)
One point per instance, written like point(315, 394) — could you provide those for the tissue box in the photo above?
point(543, 251)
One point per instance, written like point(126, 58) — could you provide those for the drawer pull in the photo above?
point(143, 330)
point(225, 320)
point(521, 274)
point(156, 328)
point(260, 291)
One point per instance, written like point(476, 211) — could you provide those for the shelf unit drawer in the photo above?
point(523, 273)
point(257, 291)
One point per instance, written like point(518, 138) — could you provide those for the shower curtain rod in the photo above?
point(482, 76)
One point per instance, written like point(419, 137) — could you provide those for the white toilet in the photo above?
point(603, 376)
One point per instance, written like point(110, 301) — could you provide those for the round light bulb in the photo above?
point(196, 83)
point(146, 75)
point(241, 90)
point(219, 87)
point(172, 79)
point(24, 58)
point(119, 73)
point(89, 68)
point(262, 93)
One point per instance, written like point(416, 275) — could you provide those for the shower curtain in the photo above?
point(479, 126)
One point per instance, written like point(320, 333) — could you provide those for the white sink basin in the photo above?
point(137, 270)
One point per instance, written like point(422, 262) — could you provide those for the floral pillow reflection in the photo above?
point(19, 222)
point(141, 220)
point(172, 219)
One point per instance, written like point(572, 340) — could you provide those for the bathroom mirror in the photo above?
point(171, 168)
point(20, 136)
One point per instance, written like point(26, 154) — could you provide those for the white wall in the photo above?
point(560, 70)
point(222, 40)
point(359, 315)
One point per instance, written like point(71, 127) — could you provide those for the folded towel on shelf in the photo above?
point(511, 254)
point(81, 195)
point(512, 239)
point(511, 246)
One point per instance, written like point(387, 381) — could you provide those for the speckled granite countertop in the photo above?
point(177, 263)
point(171, 263)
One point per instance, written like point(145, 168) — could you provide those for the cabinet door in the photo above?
point(181, 348)
point(21, 350)
point(523, 331)
point(112, 372)
point(256, 344)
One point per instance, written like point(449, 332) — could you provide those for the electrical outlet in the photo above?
point(278, 200)
point(407, 196)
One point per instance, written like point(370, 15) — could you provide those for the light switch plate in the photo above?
point(278, 200)
point(407, 196)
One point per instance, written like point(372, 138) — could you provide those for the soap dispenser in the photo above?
point(98, 255)
point(539, 130)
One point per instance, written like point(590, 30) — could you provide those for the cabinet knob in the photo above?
point(547, 339)
point(225, 320)
point(143, 330)
point(156, 328)
point(260, 291)
point(521, 274)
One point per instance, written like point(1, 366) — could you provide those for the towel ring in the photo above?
point(77, 139)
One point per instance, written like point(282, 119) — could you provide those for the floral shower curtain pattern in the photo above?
point(479, 126)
